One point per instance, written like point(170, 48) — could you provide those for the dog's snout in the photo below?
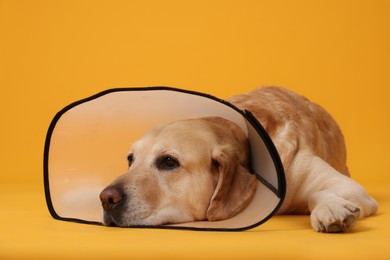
point(111, 197)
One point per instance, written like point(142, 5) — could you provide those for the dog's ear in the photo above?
point(235, 186)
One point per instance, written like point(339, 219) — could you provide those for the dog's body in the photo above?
point(198, 168)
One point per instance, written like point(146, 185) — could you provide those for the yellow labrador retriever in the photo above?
point(197, 169)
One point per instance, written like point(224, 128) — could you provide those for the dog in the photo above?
point(198, 169)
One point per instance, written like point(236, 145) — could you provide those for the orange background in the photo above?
point(56, 52)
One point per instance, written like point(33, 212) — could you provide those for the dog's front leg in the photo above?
point(335, 201)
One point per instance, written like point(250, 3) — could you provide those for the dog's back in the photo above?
point(294, 123)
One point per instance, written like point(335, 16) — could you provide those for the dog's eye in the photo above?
point(167, 163)
point(130, 159)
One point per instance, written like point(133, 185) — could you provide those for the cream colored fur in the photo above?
point(209, 178)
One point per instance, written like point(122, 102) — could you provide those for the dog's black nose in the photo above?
point(111, 197)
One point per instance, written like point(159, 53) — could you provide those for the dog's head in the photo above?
point(185, 171)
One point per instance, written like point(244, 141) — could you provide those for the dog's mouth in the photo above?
point(110, 224)
point(121, 216)
point(112, 221)
point(107, 220)
point(117, 219)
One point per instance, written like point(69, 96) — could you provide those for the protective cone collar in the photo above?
point(87, 143)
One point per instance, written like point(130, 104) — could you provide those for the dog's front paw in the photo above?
point(334, 216)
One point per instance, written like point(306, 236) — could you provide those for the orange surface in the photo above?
point(56, 52)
